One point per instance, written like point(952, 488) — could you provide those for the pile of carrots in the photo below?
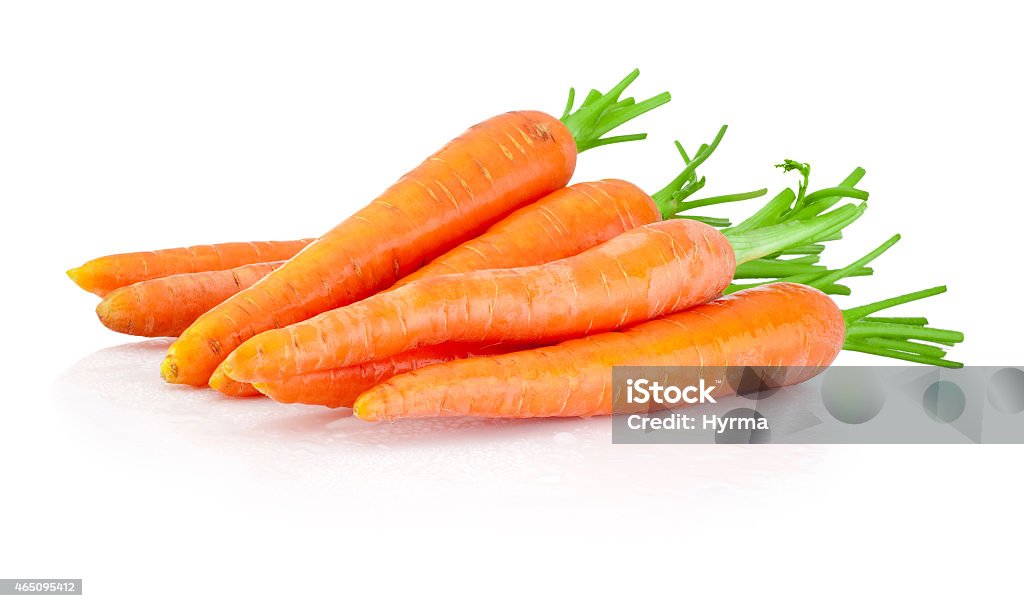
point(500, 290)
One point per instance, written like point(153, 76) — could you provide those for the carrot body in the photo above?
point(341, 387)
point(479, 177)
point(168, 305)
point(557, 226)
point(638, 275)
point(782, 324)
point(105, 274)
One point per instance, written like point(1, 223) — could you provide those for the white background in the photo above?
point(131, 125)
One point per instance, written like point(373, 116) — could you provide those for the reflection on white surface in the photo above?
point(117, 396)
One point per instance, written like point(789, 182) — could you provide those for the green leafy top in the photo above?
point(602, 112)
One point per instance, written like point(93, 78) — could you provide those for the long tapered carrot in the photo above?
point(490, 170)
point(168, 305)
point(782, 325)
point(644, 273)
point(336, 388)
point(105, 274)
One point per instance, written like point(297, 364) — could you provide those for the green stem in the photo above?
point(838, 192)
point(812, 249)
point(767, 215)
point(602, 113)
point(761, 242)
point(905, 345)
point(854, 314)
point(863, 329)
point(855, 267)
point(901, 355)
point(715, 222)
point(668, 197)
point(821, 205)
point(901, 320)
point(723, 198)
point(899, 337)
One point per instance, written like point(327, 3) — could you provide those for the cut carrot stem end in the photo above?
point(601, 113)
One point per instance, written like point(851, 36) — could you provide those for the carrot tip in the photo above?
point(106, 315)
point(169, 369)
point(76, 275)
point(364, 409)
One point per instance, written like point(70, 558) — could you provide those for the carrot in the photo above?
point(782, 325)
point(638, 275)
point(337, 387)
point(340, 387)
point(168, 305)
point(574, 219)
point(492, 169)
point(103, 275)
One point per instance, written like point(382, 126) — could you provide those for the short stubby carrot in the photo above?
point(644, 273)
point(105, 274)
point(781, 325)
point(168, 305)
point(479, 177)
point(341, 387)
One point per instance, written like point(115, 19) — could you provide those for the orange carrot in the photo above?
point(791, 327)
point(492, 169)
point(168, 305)
point(638, 275)
point(576, 218)
point(105, 274)
point(559, 225)
point(341, 387)
point(796, 326)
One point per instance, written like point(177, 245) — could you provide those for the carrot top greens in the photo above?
point(904, 338)
point(603, 112)
point(672, 199)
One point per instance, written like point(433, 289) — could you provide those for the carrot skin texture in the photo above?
point(641, 274)
point(562, 224)
point(340, 387)
point(780, 324)
point(492, 169)
point(165, 307)
point(103, 275)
